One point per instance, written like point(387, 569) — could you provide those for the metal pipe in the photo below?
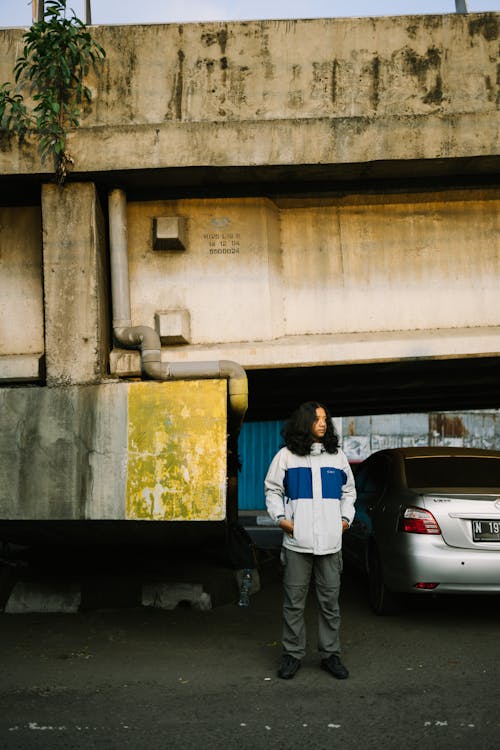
point(37, 10)
point(147, 339)
point(118, 241)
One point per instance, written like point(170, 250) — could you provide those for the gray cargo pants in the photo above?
point(298, 569)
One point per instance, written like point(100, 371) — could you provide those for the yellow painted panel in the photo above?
point(176, 467)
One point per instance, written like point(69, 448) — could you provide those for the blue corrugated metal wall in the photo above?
point(257, 444)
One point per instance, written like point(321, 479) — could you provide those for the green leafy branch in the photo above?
point(58, 53)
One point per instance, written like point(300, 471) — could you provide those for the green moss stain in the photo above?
point(176, 466)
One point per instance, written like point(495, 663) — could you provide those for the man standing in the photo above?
point(310, 494)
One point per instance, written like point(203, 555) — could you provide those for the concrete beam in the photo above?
point(319, 91)
point(21, 367)
point(333, 349)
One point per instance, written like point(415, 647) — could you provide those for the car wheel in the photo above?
point(382, 601)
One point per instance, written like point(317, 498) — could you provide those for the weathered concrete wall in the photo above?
point(321, 91)
point(177, 465)
point(21, 293)
point(75, 284)
point(137, 451)
point(303, 281)
point(267, 283)
point(397, 263)
point(323, 280)
point(228, 277)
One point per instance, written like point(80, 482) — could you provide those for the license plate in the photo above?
point(486, 531)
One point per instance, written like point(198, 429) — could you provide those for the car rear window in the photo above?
point(452, 471)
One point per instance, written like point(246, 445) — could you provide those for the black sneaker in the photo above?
point(289, 667)
point(334, 666)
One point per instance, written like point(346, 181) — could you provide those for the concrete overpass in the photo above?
point(337, 178)
point(316, 200)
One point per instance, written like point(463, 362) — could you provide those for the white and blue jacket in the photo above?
point(316, 492)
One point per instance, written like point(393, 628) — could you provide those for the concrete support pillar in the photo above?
point(75, 288)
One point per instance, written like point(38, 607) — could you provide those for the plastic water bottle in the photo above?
point(246, 585)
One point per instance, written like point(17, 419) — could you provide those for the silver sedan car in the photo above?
point(427, 522)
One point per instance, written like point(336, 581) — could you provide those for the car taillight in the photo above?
point(426, 585)
point(419, 521)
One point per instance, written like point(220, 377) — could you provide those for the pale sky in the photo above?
point(18, 12)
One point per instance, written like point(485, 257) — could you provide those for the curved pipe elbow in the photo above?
point(142, 337)
point(154, 368)
point(148, 341)
point(231, 371)
point(237, 386)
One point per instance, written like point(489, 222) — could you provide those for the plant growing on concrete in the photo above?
point(57, 55)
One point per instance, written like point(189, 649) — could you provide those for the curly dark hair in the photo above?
point(297, 430)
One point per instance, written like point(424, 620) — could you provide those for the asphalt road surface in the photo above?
point(185, 679)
